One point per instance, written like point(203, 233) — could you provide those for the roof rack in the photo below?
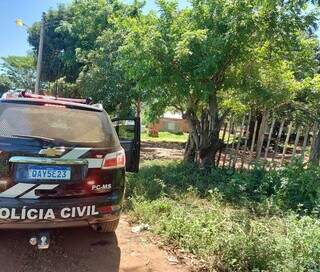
point(10, 94)
point(27, 94)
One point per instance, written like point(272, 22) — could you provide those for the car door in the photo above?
point(128, 131)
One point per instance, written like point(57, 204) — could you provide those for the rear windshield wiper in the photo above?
point(44, 140)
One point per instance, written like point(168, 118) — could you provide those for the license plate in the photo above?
point(49, 173)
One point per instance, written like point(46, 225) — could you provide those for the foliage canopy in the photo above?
point(20, 70)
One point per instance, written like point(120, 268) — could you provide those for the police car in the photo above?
point(62, 163)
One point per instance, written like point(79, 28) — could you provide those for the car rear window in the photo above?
point(76, 126)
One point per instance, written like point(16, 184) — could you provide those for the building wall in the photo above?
point(171, 125)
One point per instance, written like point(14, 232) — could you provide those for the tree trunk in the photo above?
point(204, 143)
point(315, 149)
point(212, 123)
point(190, 150)
point(138, 107)
point(207, 152)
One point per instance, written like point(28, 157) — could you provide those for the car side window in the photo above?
point(125, 129)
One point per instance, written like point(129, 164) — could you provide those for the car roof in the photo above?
point(42, 100)
point(34, 101)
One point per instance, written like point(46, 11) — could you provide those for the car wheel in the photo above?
point(108, 226)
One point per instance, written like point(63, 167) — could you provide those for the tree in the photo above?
point(307, 104)
point(59, 50)
point(5, 84)
point(184, 57)
point(101, 77)
point(203, 60)
point(20, 70)
point(69, 31)
point(81, 43)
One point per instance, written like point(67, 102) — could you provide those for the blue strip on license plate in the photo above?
point(49, 173)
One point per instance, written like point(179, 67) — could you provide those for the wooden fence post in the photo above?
point(286, 142)
point(278, 140)
point(239, 142)
point(234, 130)
point(246, 141)
point(296, 143)
point(235, 150)
point(223, 136)
point(253, 142)
point(269, 138)
point(305, 142)
point(261, 133)
point(227, 145)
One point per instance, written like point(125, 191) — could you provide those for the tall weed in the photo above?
point(235, 221)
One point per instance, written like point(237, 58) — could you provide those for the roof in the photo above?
point(172, 115)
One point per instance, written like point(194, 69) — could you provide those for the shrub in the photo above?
point(298, 187)
point(153, 132)
point(235, 221)
point(232, 240)
point(293, 187)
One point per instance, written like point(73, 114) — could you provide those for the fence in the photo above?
point(265, 139)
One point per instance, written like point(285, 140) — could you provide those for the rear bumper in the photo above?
point(59, 213)
point(59, 223)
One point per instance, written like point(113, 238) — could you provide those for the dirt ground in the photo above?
point(161, 150)
point(82, 249)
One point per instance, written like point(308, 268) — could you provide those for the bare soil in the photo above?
point(83, 249)
point(161, 150)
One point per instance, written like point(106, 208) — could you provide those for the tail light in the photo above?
point(114, 160)
point(4, 171)
point(4, 164)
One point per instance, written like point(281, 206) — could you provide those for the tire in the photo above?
point(108, 227)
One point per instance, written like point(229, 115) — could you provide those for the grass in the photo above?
point(181, 138)
point(234, 221)
point(165, 137)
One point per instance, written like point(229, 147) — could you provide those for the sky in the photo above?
point(13, 39)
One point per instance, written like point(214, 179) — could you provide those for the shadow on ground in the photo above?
point(75, 249)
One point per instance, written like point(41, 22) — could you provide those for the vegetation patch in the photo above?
point(165, 137)
point(234, 221)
